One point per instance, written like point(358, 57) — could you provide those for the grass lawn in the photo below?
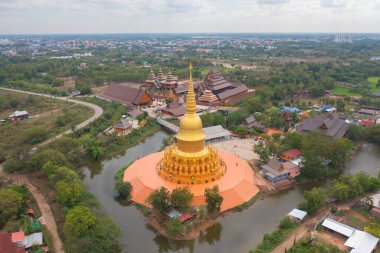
point(373, 83)
point(354, 222)
point(343, 91)
point(49, 117)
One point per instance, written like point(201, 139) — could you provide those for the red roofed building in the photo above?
point(367, 122)
point(290, 154)
point(7, 246)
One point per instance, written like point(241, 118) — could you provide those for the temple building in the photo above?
point(190, 162)
point(126, 95)
point(216, 90)
point(168, 82)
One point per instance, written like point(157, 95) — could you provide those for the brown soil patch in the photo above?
point(333, 239)
point(358, 215)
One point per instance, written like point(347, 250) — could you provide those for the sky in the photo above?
point(188, 16)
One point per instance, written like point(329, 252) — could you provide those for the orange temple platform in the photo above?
point(236, 186)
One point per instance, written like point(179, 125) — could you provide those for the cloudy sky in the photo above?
point(170, 16)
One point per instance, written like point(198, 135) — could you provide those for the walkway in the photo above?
point(47, 215)
point(23, 179)
point(171, 127)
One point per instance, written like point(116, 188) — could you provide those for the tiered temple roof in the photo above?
point(220, 87)
point(208, 96)
point(160, 75)
point(168, 82)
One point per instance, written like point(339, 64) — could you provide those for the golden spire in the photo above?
point(190, 137)
point(190, 102)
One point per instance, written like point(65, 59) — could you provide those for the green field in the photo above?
point(373, 82)
point(343, 91)
point(48, 118)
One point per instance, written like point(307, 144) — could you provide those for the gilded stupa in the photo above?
point(189, 161)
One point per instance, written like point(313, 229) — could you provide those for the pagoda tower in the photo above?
point(189, 161)
point(160, 75)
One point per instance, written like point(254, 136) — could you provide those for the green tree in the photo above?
point(37, 160)
point(10, 204)
point(69, 194)
point(241, 130)
point(286, 223)
point(181, 198)
point(340, 152)
point(79, 221)
point(355, 133)
point(174, 226)
point(314, 200)
point(262, 152)
point(213, 199)
point(160, 199)
point(340, 105)
point(63, 174)
point(99, 240)
point(367, 182)
point(373, 228)
point(316, 149)
point(124, 189)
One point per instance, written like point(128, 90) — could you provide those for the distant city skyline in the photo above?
point(191, 16)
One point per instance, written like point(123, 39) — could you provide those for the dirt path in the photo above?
point(307, 226)
point(47, 215)
point(358, 215)
point(23, 179)
point(98, 112)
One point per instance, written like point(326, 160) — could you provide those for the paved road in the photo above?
point(98, 112)
point(23, 179)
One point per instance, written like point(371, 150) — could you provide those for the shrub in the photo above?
point(174, 227)
point(181, 198)
point(213, 199)
point(286, 223)
point(160, 199)
point(79, 221)
point(124, 189)
point(68, 194)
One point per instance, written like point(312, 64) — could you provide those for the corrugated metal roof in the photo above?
point(33, 239)
point(338, 227)
point(297, 213)
point(362, 242)
point(216, 132)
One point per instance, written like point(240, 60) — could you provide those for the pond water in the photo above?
point(236, 232)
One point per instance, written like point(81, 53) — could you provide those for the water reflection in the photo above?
point(211, 235)
point(95, 168)
point(236, 232)
point(165, 245)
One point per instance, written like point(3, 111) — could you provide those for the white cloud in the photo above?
point(73, 16)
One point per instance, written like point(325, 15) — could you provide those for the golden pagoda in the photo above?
point(189, 161)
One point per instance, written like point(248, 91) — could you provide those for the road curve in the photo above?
point(22, 179)
point(98, 112)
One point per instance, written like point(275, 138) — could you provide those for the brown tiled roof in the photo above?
point(329, 125)
point(7, 246)
point(134, 113)
point(124, 94)
point(232, 92)
point(123, 124)
point(292, 153)
point(177, 111)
